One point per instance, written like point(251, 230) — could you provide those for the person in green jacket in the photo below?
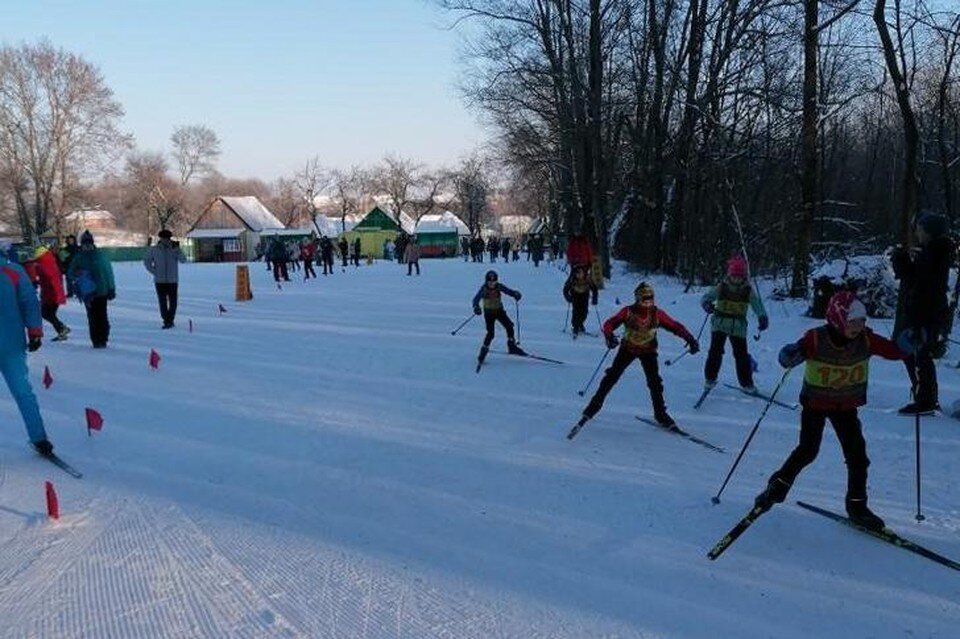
point(92, 275)
point(728, 302)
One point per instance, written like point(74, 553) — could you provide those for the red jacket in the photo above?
point(579, 251)
point(662, 319)
point(46, 273)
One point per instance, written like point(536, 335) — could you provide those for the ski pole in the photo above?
point(676, 359)
point(703, 325)
point(595, 371)
point(464, 323)
point(566, 320)
point(517, 302)
point(919, 516)
point(599, 321)
point(716, 498)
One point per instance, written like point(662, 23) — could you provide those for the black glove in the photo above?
point(111, 294)
point(693, 346)
point(791, 355)
point(612, 341)
point(34, 344)
point(476, 310)
point(594, 300)
point(517, 296)
point(708, 307)
point(568, 298)
point(763, 322)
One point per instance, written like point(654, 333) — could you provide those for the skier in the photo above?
point(505, 249)
point(924, 274)
point(307, 250)
point(45, 273)
point(326, 255)
point(493, 248)
point(20, 316)
point(491, 293)
point(411, 255)
point(578, 290)
point(641, 321)
point(356, 251)
point(465, 247)
point(834, 387)
point(728, 303)
point(65, 256)
point(278, 257)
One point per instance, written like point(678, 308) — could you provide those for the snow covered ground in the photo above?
point(323, 462)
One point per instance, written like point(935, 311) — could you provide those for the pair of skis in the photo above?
point(527, 355)
point(756, 394)
point(884, 534)
point(55, 459)
point(674, 429)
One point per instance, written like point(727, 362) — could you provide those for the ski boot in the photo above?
point(775, 492)
point(861, 515)
point(483, 355)
point(62, 334)
point(919, 408)
point(44, 447)
point(663, 418)
point(513, 349)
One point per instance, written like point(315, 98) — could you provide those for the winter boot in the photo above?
point(44, 447)
point(750, 390)
point(61, 334)
point(919, 408)
point(483, 354)
point(513, 349)
point(775, 492)
point(861, 515)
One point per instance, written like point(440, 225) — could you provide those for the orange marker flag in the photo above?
point(53, 504)
point(154, 359)
point(94, 420)
point(47, 377)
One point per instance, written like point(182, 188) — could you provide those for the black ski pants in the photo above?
point(623, 359)
point(581, 305)
point(923, 371)
point(280, 270)
point(97, 320)
point(49, 313)
point(846, 425)
point(491, 318)
point(740, 356)
point(308, 271)
point(167, 297)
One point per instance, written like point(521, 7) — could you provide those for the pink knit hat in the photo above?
point(737, 266)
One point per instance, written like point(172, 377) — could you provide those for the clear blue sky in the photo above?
point(278, 80)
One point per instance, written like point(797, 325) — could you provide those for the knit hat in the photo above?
point(165, 234)
point(643, 290)
point(737, 266)
point(933, 224)
point(843, 307)
point(491, 275)
point(86, 238)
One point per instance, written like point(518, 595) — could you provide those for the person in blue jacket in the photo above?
point(491, 293)
point(20, 320)
point(93, 275)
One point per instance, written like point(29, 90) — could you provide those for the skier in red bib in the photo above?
point(641, 321)
point(834, 386)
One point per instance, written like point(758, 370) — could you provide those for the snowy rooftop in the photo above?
point(252, 211)
point(442, 223)
point(200, 234)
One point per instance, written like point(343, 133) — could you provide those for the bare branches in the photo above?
point(195, 149)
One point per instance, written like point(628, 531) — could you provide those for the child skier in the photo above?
point(641, 321)
point(491, 294)
point(578, 290)
point(728, 302)
point(834, 387)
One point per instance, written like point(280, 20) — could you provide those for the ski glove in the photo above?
point(517, 296)
point(763, 322)
point(791, 355)
point(693, 346)
point(476, 310)
point(612, 341)
point(594, 300)
point(111, 295)
point(707, 306)
point(34, 344)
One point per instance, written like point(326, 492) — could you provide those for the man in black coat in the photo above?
point(924, 271)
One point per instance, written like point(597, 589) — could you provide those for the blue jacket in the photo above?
point(98, 266)
point(19, 308)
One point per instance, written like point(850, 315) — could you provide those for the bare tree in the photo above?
point(348, 188)
point(312, 180)
point(396, 178)
point(59, 123)
point(195, 149)
point(471, 185)
point(153, 191)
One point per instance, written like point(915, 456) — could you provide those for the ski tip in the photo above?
point(714, 500)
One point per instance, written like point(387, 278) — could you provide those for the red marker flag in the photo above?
point(154, 359)
point(94, 420)
point(222, 309)
point(47, 377)
point(53, 505)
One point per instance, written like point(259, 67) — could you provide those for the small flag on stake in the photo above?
point(94, 420)
point(47, 377)
point(221, 309)
point(53, 505)
point(154, 359)
point(617, 301)
point(190, 325)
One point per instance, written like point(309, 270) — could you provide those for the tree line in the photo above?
point(679, 131)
